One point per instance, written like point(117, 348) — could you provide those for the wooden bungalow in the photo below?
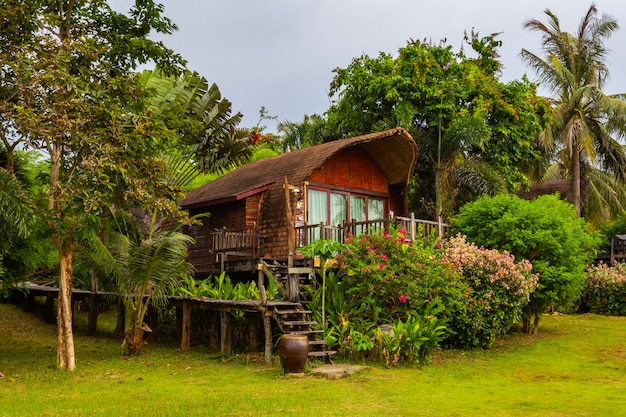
point(268, 208)
point(560, 186)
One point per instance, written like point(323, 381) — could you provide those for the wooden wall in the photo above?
point(232, 215)
point(352, 169)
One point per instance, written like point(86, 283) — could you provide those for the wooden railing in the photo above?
point(306, 233)
point(418, 227)
point(246, 243)
point(249, 243)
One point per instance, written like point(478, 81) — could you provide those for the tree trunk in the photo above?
point(134, 341)
point(575, 192)
point(65, 338)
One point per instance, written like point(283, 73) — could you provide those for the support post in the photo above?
point(226, 333)
point(185, 339)
point(50, 316)
point(120, 326)
point(252, 331)
point(267, 325)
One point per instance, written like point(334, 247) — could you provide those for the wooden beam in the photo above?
point(185, 339)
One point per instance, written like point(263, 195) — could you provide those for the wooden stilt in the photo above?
point(267, 329)
point(252, 331)
point(92, 319)
point(226, 333)
point(50, 316)
point(267, 325)
point(185, 342)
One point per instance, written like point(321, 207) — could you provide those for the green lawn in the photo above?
point(575, 367)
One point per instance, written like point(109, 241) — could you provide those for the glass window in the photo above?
point(338, 209)
point(375, 209)
point(333, 209)
point(317, 212)
point(357, 209)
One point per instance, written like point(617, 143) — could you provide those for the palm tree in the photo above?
point(313, 130)
point(587, 123)
point(145, 267)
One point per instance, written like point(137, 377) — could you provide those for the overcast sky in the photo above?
point(280, 53)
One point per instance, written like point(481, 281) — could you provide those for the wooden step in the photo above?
point(322, 353)
point(287, 312)
point(298, 323)
point(306, 332)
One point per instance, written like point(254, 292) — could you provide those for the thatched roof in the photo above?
point(393, 150)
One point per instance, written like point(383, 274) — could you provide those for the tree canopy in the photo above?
point(476, 134)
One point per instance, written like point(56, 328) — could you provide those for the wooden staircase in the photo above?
point(292, 318)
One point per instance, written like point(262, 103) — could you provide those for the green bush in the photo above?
point(605, 290)
point(545, 231)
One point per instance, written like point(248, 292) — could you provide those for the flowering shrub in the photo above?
point(605, 289)
point(428, 294)
point(497, 290)
point(385, 277)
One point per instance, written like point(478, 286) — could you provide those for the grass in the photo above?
point(574, 367)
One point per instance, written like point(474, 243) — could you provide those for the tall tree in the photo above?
point(587, 123)
point(475, 134)
point(75, 97)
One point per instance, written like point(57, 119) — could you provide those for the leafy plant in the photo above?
point(221, 288)
point(411, 340)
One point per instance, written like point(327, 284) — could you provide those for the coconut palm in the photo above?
point(145, 267)
point(313, 130)
point(587, 124)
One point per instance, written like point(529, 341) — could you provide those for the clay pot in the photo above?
point(293, 351)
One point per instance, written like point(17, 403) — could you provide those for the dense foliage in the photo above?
point(546, 232)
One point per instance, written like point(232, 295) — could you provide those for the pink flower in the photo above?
point(402, 299)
